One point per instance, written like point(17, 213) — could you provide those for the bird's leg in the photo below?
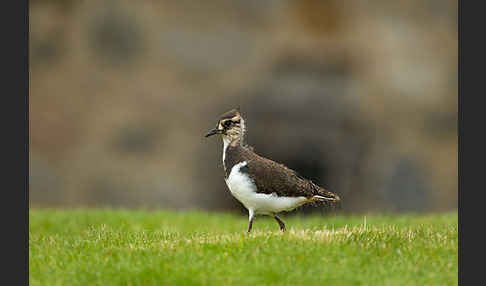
point(250, 223)
point(280, 223)
point(251, 215)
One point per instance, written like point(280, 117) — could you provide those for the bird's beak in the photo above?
point(212, 132)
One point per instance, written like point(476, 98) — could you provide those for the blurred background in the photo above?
point(359, 96)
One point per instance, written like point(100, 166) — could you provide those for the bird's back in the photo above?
point(270, 176)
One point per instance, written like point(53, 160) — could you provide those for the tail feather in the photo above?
point(321, 194)
point(327, 199)
point(326, 195)
point(321, 198)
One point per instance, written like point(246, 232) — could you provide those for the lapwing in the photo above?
point(263, 186)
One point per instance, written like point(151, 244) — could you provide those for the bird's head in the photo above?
point(231, 126)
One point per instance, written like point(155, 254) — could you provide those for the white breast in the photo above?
point(244, 190)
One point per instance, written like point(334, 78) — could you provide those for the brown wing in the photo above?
point(269, 176)
point(272, 177)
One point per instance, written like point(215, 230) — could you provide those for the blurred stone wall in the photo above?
point(359, 96)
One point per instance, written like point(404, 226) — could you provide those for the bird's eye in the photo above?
point(227, 123)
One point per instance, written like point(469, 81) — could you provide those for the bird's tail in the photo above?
point(327, 199)
point(324, 195)
point(321, 194)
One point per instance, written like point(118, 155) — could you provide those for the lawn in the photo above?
point(148, 247)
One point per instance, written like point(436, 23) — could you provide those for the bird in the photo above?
point(263, 186)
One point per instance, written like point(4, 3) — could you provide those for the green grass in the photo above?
point(141, 247)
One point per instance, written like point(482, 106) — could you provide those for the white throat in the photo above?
point(226, 142)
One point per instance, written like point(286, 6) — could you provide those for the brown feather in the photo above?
point(269, 176)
